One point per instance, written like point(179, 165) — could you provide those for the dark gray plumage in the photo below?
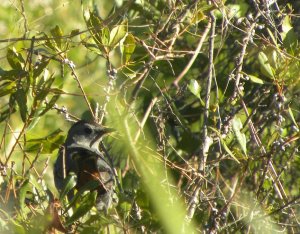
point(80, 154)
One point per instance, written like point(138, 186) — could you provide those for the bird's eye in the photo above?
point(88, 130)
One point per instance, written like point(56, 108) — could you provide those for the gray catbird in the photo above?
point(80, 154)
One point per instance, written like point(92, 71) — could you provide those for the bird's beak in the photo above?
point(107, 130)
point(101, 132)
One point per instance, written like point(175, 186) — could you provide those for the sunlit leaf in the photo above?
point(292, 117)
point(95, 25)
point(195, 88)
point(105, 36)
point(224, 145)
point(118, 33)
point(50, 104)
point(237, 10)
point(15, 59)
point(22, 194)
point(237, 126)
point(265, 66)
point(69, 184)
point(255, 79)
point(40, 67)
point(86, 204)
point(48, 143)
point(57, 36)
point(7, 87)
point(128, 47)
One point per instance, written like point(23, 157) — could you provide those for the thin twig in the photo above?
point(82, 90)
point(192, 60)
point(206, 140)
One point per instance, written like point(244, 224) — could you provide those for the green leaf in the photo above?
point(118, 33)
point(57, 35)
point(255, 79)
point(43, 91)
point(48, 143)
point(237, 10)
point(6, 113)
point(40, 68)
point(50, 104)
point(194, 88)
point(224, 145)
point(128, 47)
point(69, 184)
point(95, 25)
point(74, 32)
point(286, 26)
point(21, 99)
point(12, 74)
point(50, 43)
point(86, 204)
point(15, 59)
point(198, 16)
point(237, 126)
point(265, 66)
point(105, 36)
point(7, 87)
point(22, 194)
point(292, 117)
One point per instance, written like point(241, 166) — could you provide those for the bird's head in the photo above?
point(88, 135)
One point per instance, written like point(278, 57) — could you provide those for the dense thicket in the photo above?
point(204, 97)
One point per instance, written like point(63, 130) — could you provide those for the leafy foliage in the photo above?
point(203, 96)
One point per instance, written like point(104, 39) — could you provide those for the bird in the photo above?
point(80, 155)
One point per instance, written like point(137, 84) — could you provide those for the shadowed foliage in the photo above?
point(203, 97)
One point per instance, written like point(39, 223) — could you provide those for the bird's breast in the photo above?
point(88, 170)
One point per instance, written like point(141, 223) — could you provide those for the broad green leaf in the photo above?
point(291, 42)
point(57, 35)
point(286, 26)
point(194, 88)
point(118, 33)
point(128, 47)
point(105, 36)
point(86, 204)
point(265, 66)
point(255, 79)
point(15, 59)
point(237, 126)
